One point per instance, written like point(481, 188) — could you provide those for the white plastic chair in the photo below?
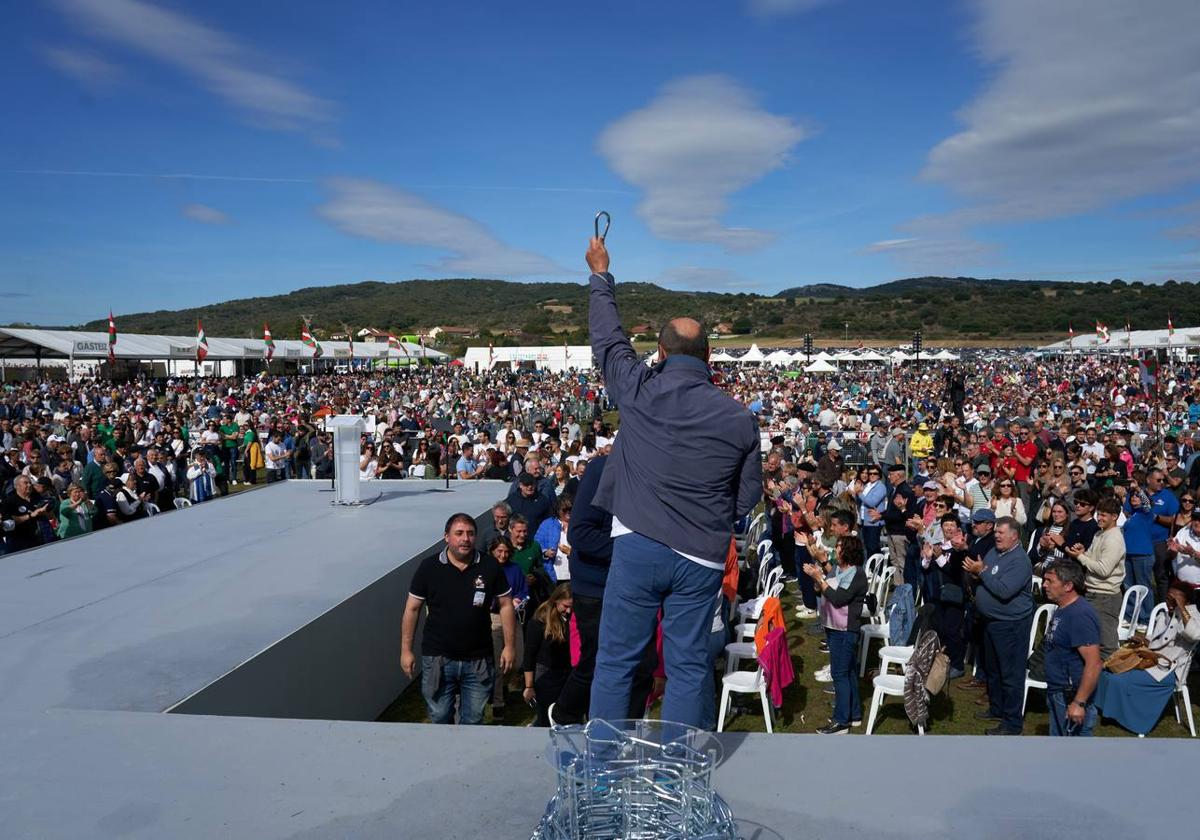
point(1036, 583)
point(152, 509)
point(868, 632)
point(873, 565)
point(1159, 618)
point(1041, 615)
point(1182, 695)
point(751, 610)
point(879, 626)
point(886, 685)
point(1134, 595)
point(744, 682)
point(181, 503)
point(745, 538)
point(894, 655)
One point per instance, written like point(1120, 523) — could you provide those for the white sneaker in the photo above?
point(824, 675)
point(805, 612)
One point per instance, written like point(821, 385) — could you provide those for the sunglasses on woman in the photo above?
point(1187, 501)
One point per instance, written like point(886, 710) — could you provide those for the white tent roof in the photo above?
point(871, 356)
point(753, 355)
point(780, 357)
point(1120, 341)
point(845, 356)
point(820, 366)
point(945, 356)
point(823, 356)
point(899, 356)
point(24, 343)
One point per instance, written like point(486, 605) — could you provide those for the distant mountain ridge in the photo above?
point(949, 307)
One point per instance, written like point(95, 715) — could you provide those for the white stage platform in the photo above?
point(272, 605)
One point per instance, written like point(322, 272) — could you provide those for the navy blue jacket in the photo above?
point(687, 460)
point(590, 535)
point(1005, 591)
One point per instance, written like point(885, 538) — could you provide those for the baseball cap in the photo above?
point(984, 515)
point(931, 485)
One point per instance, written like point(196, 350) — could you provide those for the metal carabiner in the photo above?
point(607, 222)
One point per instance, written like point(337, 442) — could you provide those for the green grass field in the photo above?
point(806, 706)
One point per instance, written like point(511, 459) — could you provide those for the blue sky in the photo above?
point(168, 154)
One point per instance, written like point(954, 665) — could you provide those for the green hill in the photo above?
point(960, 307)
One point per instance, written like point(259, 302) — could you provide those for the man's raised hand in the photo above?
point(597, 256)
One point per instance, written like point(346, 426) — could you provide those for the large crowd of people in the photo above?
point(971, 478)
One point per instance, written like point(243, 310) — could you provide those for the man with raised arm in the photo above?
point(685, 465)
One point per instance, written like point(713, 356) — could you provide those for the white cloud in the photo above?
point(204, 214)
point(215, 60)
point(942, 252)
point(84, 66)
point(700, 140)
point(372, 210)
point(780, 8)
point(703, 279)
point(884, 245)
point(1092, 103)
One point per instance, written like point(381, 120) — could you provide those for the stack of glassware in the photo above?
point(634, 780)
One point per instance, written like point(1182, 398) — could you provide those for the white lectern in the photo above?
point(347, 436)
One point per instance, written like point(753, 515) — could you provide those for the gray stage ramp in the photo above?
point(273, 605)
point(155, 613)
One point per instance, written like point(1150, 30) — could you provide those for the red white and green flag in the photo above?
point(396, 344)
point(306, 338)
point(268, 341)
point(491, 355)
point(1170, 327)
point(1147, 373)
point(201, 342)
point(112, 338)
point(1102, 333)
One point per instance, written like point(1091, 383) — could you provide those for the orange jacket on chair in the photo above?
point(771, 617)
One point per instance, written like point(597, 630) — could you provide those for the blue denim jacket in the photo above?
point(687, 461)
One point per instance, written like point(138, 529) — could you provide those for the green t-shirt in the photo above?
point(528, 557)
point(230, 429)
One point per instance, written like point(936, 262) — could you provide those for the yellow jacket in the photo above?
point(921, 444)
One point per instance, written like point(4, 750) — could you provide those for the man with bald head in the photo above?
point(685, 464)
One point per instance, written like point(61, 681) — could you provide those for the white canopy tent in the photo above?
point(820, 366)
point(871, 356)
point(554, 358)
point(752, 355)
point(944, 356)
point(780, 357)
point(845, 356)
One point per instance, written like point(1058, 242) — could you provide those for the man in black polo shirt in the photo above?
point(458, 586)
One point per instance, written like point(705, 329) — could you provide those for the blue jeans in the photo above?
point(717, 639)
point(470, 681)
point(646, 576)
point(1139, 569)
point(843, 667)
point(1060, 724)
point(1007, 654)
